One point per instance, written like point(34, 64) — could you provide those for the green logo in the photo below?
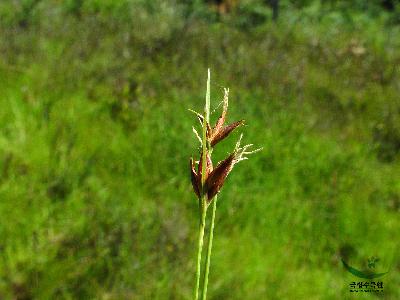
point(365, 274)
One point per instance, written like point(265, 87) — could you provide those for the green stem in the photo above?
point(200, 248)
point(209, 248)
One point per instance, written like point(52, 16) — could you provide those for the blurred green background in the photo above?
point(95, 139)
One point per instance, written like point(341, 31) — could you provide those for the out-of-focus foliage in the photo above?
point(95, 137)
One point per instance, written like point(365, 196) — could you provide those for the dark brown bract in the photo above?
point(215, 178)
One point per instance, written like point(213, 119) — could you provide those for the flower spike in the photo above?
point(221, 131)
point(194, 178)
point(217, 177)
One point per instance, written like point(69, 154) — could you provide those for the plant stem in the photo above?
point(200, 248)
point(207, 106)
point(209, 248)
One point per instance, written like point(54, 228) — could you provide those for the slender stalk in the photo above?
point(199, 250)
point(209, 248)
point(203, 198)
point(207, 107)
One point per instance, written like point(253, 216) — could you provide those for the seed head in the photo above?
point(196, 176)
point(214, 178)
point(194, 179)
point(221, 131)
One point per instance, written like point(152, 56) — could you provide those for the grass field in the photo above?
point(95, 140)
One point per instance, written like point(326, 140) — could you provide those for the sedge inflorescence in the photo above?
point(215, 177)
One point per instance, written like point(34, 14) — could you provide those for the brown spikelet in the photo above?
point(209, 165)
point(195, 178)
point(220, 123)
point(219, 133)
point(217, 177)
